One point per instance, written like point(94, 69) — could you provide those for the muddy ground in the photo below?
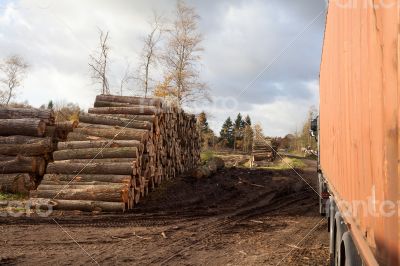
point(238, 217)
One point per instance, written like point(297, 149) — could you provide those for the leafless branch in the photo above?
point(13, 70)
point(99, 63)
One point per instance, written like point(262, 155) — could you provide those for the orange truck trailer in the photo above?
point(358, 131)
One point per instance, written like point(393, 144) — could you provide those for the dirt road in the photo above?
point(238, 217)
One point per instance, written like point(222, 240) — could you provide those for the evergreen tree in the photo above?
point(202, 122)
point(50, 105)
point(238, 130)
point(248, 135)
point(206, 134)
point(227, 132)
point(247, 121)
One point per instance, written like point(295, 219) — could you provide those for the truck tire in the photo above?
point(341, 228)
point(332, 231)
point(322, 190)
point(348, 255)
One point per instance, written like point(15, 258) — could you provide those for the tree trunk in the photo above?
point(34, 147)
point(26, 127)
point(82, 205)
point(100, 144)
point(157, 102)
point(96, 153)
point(24, 165)
point(92, 168)
point(148, 118)
point(115, 133)
point(16, 183)
point(115, 121)
point(134, 110)
point(61, 178)
point(109, 194)
point(17, 113)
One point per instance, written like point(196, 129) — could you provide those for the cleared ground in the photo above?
point(238, 217)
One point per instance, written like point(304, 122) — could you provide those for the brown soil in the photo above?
point(237, 217)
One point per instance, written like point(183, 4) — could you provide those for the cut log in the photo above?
point(96, 153)
point(82, 205)
point(108, 160)
point(114, 194)
point(45, 185)
point(86, 187)
point(67, 125)
point(16, 183)
point(115, 133)
point(34, 147)
point(87, 178)
point(157, 102)
point(23, 165)
point(134, 110)
point(115, 121)
point(17, 113)
point(100, 144)
point(92, 168)
point(148, 118)
point(18, 139)
point(26, 127)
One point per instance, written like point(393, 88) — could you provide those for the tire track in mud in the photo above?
point(269, 205)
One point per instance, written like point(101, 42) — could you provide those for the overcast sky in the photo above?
point(260, 57)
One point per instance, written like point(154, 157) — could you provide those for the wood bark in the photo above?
point(16, 183)
point(115, 121)
point(87, 178)
point(115, 133)
point(33, 148)
point(82, 205)
point(17, 113)
point(117, 194)
point(134, 110)
point(26, 127)
point(157, 102)
point(23, 165)
point(92, 168)
point(100, 144)
point(96, 153)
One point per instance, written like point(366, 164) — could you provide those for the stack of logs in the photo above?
point(264, 150)
point(27, 139)
point(121, 149)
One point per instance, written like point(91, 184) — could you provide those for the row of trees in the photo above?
point(175, 46)
point(236, 134)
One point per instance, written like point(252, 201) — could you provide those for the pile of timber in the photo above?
point(123, 148)
point(264, 150)
point(27, 139)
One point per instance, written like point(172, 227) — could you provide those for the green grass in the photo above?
point(206, 156)
point(7, 196)
point(287, 163)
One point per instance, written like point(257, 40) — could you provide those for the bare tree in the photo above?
point(13, 72)
point(127, 76)
point(99, 61)
point(182, 56)
point(149, 56)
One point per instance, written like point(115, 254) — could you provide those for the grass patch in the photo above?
point(205, 156)
point(287, 163)
point(8, 196)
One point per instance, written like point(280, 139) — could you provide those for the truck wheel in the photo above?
point(348, 255)
point(321, 191)
point(340, 230)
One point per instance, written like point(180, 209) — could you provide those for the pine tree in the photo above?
point(248, 135)
point(227, 131)
point(247, 121)
point(50, 105)
point(238, 129)
point(206, 134)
